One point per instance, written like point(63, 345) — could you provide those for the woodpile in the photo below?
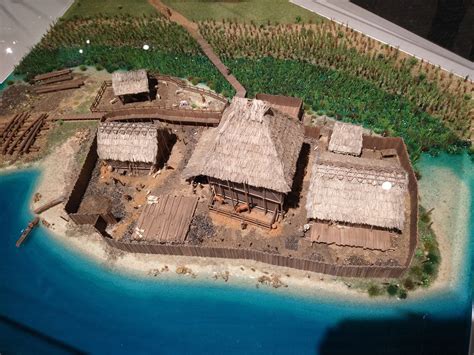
point(56, 81)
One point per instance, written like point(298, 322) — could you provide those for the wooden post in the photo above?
point(265, 200)
point(232, 194)
point(246, 188)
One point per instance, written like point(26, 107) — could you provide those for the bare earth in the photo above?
point(55, 180)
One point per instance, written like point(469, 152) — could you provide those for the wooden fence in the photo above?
point(78, 190)
point(180, 83)
point(171, 115)
point(264, 257)
point(370, 271)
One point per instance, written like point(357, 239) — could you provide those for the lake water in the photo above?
point(55, 301)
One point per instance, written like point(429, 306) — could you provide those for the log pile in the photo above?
point(56, 81)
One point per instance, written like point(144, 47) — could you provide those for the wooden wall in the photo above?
point(261, 198)
point(273, 259)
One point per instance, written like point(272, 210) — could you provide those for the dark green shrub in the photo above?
point(99, 67)
point(392, 290)
point(402, 294)
point(82, 67)
point(10, 82)
point(429, 268)
point(374, 290)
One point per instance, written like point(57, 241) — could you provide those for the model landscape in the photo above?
point(290, 144)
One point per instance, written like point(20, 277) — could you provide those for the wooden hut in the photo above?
point(291, 106)
point(131, 85)
point(346, 139)
point(367, 195)
point(131, 147)
point(250, 158)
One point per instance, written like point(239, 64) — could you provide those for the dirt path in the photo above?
point(193, 30)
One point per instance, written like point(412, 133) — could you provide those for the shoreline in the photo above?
point(54, 181)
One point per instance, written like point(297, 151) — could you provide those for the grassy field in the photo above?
point(259, 11)
point(90, 8)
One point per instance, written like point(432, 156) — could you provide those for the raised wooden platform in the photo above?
point(365, 238)
point(167, 220)
point(256, 216)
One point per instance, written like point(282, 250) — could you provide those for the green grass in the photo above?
point(258, 11)
point(91, 8)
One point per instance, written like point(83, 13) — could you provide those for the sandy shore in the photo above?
point(54, 182)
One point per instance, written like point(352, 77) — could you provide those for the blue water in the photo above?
point(55, 301)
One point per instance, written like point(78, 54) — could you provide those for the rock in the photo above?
point(274, 225)
point(306, 227)
point(183, 270)
point(110, 168)
point(37, 197)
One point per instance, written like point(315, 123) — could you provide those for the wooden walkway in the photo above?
point(193, 30)
point(351, 236)
point(167, 220)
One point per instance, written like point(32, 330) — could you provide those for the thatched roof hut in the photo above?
point(357, 191)
point(346, 139)
point(127, 142)
point(252, 145)
point(130, 82)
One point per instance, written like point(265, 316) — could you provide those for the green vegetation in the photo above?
point(258, 11)
point(423, 270)
point(116, 43)
point(374, 290)
point(352, 55)
point(91, 8)
point(346, 98)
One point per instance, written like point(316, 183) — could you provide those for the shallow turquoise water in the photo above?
point(55, 301)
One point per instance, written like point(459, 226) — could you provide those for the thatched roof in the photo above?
point(130, 82)
point(252, 145)
point(346, 139)
point(357, 191)
point(127, 142)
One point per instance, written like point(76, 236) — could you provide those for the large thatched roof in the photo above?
point(252, 145)
point(127, 142)
point(357, 191)
point(130, 82)
point(346, 139)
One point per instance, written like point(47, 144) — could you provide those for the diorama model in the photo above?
point(288, 144)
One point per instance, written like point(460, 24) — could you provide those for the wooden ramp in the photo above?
point(166, 220)
point(351, 236)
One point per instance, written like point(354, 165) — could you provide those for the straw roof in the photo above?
point(130, 82)
point(349, 190)
point(127, 142)
point(346, 139)
point(252, 145)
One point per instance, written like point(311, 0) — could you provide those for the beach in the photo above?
point(56, 179)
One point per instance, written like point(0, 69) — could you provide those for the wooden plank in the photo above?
point(52, 74)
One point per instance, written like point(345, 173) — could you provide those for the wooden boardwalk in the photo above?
point(193, 30)
point(167, 220)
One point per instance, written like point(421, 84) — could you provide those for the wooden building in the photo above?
point(132, 147)
point(346, 139)
point(131, 85)
point(356, 201)
point(250, 158)
point(291, 106)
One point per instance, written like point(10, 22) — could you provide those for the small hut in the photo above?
point(291, 106)
point(346, 139)
point(250, 158)
point(131, 147)
point(130, 85)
